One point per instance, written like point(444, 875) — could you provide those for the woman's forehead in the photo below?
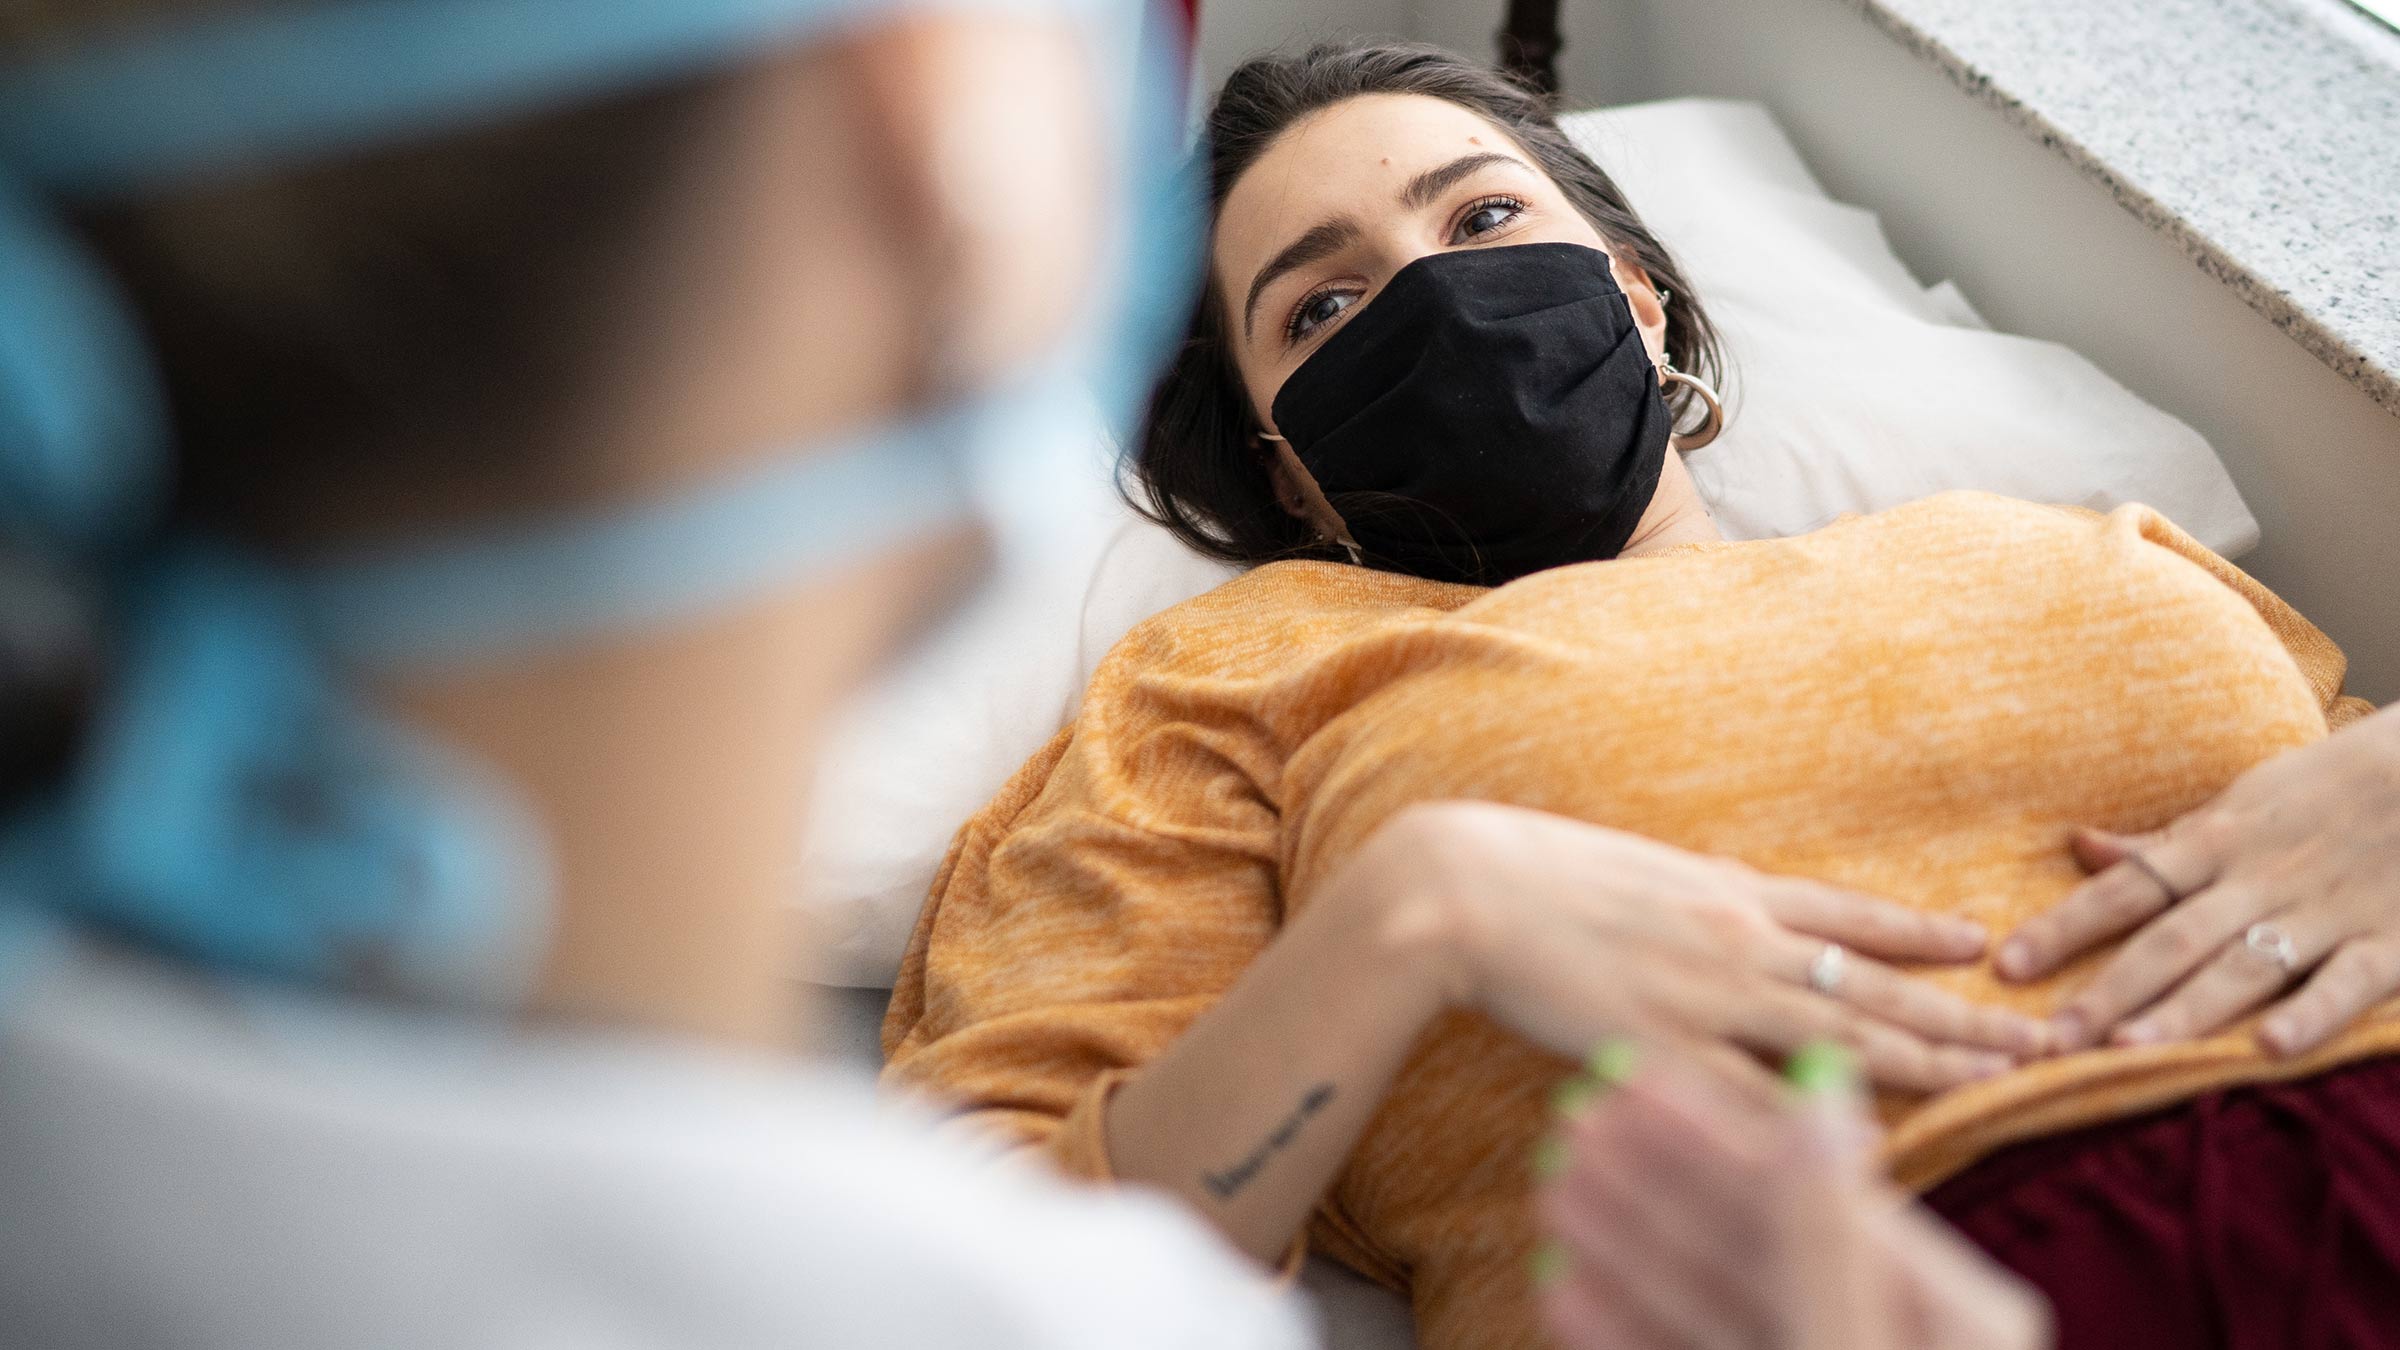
point(1352, 158)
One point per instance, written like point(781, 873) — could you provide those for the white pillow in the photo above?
point(1855, 389)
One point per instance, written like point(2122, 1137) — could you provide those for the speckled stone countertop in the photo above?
point(2262, 136)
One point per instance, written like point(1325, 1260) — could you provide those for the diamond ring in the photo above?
point(1825, 971)
point(2274, 944)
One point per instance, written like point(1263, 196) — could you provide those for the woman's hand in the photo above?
point(2293, 872)
point(1691, 1210)
point(1568, 932)
point(1562, 931)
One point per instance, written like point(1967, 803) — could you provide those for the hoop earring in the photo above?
point(1349, 545)
point(1712, 424)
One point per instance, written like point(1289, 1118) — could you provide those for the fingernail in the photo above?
point(2277, 1035)
point(1548, 1266)
point(2071, 1028)
point(1821, 1068)
point(2136, 1033)
point(1568, 1099)
point(1967, 930)
point(1990, 1064)
point(2015, 960)
point(2040, 1038)
point(1613, 1061)
point(1549, 1158)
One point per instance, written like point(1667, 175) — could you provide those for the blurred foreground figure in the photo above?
point(453, 455)
point(1695, 1209)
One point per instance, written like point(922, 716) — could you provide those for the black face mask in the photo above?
point(1491, 413)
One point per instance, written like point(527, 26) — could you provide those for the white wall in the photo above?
point(1233, 29)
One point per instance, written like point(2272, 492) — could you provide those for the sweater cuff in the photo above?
point(1080, 1146)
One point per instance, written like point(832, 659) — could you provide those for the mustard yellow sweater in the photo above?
point(1918, 704)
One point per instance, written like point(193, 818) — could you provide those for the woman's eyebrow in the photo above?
point(1322, 240)
point(1326, 237)
point(1432, 183)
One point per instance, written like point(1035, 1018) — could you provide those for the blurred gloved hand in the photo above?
point(1704, 1207)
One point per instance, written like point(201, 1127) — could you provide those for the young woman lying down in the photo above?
point(1499, 749)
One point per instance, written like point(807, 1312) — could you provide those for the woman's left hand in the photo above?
point(2292, 873)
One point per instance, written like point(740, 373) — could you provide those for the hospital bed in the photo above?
point(1958, 193)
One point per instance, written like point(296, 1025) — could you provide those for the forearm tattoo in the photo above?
point(1229, 1183)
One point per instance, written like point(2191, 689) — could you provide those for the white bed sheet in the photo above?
point(1358, 1315)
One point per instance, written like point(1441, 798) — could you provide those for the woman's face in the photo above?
point(1353, 193)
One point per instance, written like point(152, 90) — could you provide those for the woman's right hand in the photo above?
point(1568, 933)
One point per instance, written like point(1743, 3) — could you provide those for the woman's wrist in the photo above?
point(1415, 929)
point(1250, 1114)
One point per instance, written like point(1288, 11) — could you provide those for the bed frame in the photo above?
point(1529, 41)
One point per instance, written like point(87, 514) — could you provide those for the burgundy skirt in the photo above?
point(2257, 1218)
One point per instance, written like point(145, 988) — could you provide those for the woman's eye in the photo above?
point(1319, 310)
point(1487, 217)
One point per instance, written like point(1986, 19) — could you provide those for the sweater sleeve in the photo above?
point(2321, 663)
point(1116, 888)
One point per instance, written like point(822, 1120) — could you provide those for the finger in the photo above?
point(2124, 895)
point(1673, 1262)
point(1703, 1154)
point(1727, 1200)
point(1839, 1282)
point(1731, 1069)
point(2098, 850)
point(1781, 1019)
point(2359, 974)
point(1676, 1159)
point(1905, 1001)
point(1712, 1128)
point(1669, 1282)
point(2233, 982)
point(1766, 1234)
point(2116, 901)
point(1761, 1014)
point(1716, 1094)
point(1865, 923)
point(1834, 1118)
point(1580, 1313)
point(2158, 958)
point(1606, 1303)
point(1958, 1297)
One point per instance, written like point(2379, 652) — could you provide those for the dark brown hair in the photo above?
point(1202, 472)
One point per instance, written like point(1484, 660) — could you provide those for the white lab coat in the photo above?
point(194, 1164)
